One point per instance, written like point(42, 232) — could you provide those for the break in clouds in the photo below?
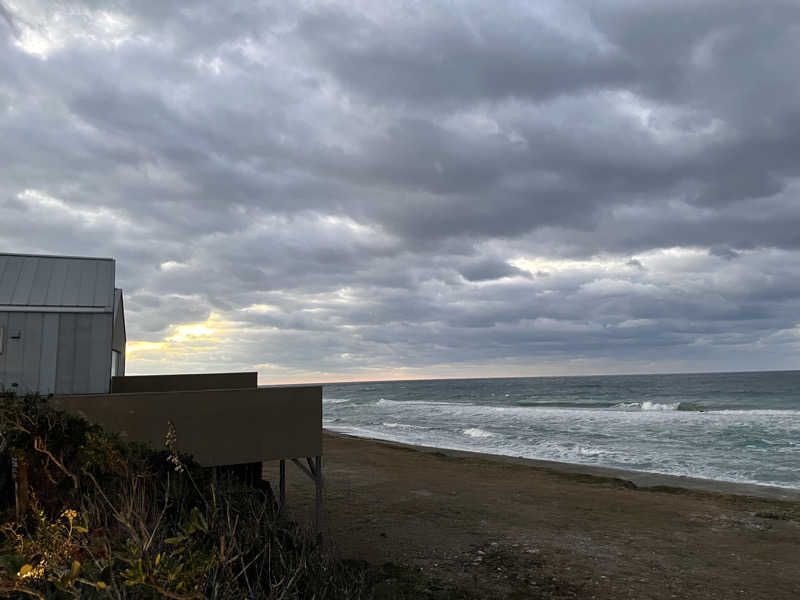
point(352, 190)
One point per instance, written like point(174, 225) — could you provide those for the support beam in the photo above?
point(314, 472)
point(303, 468)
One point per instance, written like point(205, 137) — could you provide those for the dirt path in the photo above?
point(501, 529)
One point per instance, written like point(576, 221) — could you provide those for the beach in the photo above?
point(499, 527)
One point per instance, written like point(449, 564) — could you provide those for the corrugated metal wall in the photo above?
point(60, 353)
point(56, 281)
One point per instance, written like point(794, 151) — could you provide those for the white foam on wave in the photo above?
point(652, 460)
point(403, 426)
point(587, 451)
point(416, 403)
point(477, 433)
point(627, 405)
point(647, 405)
point(335, 400)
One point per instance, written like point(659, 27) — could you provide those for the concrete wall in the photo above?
point(176, 383)
point(217, 427)
point(49, 353)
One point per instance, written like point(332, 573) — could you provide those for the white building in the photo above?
point(62, 324)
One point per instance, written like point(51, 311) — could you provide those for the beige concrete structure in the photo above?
point(217, 427)
point(221, 419)
point(175, 383)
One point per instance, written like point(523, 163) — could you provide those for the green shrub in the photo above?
point(108, 518)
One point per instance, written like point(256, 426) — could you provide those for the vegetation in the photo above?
point(106, 518)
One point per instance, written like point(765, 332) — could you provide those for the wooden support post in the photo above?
point(282, 484)
point(303, 468)
point(314, 471)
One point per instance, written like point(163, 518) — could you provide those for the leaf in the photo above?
point(24, 570)
point(76, 568)
point(101, 585)
point(158, 559)
point(175, 540)
point(203, 522)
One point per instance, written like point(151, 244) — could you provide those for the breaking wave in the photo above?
point(403, 426)
point(477, 433)
point(335, 400)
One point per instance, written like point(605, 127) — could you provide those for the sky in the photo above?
point(325, 191)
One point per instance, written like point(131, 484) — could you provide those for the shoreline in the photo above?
point(640, 479)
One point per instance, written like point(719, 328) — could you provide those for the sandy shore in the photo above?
point(504, 527)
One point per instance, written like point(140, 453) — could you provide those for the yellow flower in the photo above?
point(70, 514)
point(29, 571)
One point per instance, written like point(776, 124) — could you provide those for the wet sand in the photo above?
point(503, 527)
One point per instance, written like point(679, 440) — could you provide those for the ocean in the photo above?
point(739, 427)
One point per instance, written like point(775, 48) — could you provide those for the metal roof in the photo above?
point(56, 281)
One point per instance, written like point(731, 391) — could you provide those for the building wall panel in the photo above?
point(25, 281)
point(9, 277)
point(15, 349)
point(3, 262)
point(55, 289)
point(49, 360)
point(3, 344)
point(83, 354)
point(119, 337)
point(65, 367)
point(217, 427)
point(31, 352)
point(38, 295)
point(88, 278)
point(104, 282)
point(99, 374)
point(72, 283)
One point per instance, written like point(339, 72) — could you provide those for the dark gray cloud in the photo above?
point(359, 190)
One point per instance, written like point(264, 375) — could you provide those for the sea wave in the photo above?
point(335, 400)
point(699, 427)
point(462, 408)
point(477, 433)
point(403, 426)
point(385, 402)
point(648, 405)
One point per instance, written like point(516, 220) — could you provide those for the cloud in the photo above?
point(363, 190)
point(723, 252)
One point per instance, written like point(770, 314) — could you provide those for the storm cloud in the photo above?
point(347, 190)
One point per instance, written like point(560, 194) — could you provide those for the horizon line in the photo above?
point(346, 381)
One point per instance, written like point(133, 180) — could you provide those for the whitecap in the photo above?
point(403, 426)
point(477, 433)
point(335, 400)
point(647, 405)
